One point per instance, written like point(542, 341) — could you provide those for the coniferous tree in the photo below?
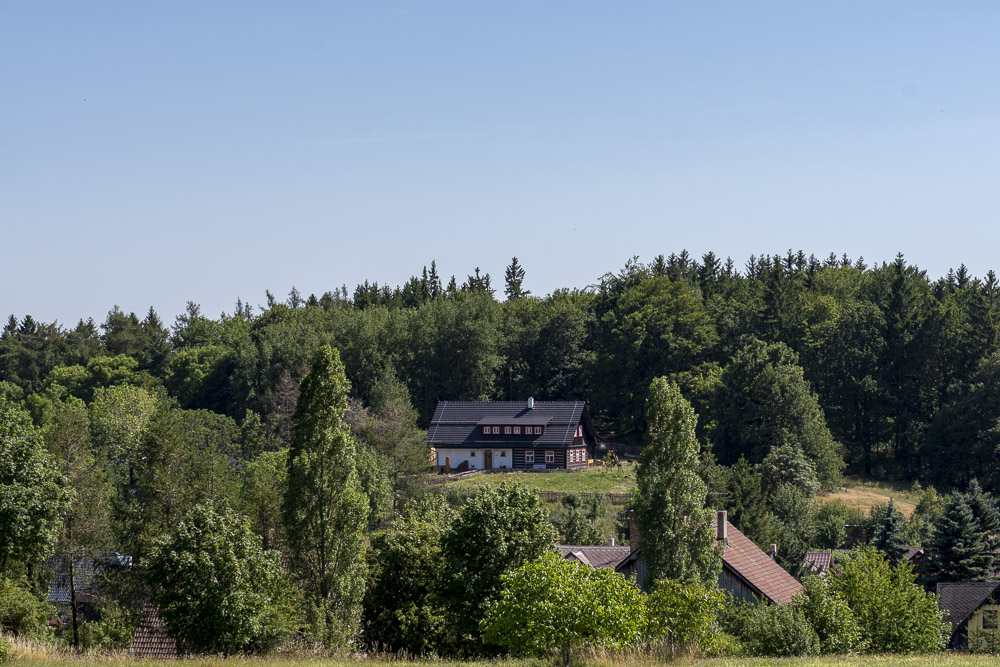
point(984, 509)
point(956, 551)
point(324, 508)
point(888, 534)
point(677, 530)
point(746, 502)
point(513, 281)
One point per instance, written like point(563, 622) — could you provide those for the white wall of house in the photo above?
point(502, 458)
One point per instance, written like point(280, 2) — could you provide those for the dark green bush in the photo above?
point(771, 630)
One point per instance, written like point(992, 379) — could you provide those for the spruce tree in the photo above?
point(956, 552)
point(888, 534)
point(677, 530)
point(514, 279)
point(325, 510)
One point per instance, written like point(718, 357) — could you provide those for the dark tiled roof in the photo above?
point(85, 572)
point(597, 557)
point(818, 562)
point(960, 599)
point(151, 639)
point(754, 566)
point(457, 423)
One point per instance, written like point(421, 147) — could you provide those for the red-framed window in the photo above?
point(529, 457)
point(517, 430)
point(486, 430)
point(496, 430)
point(506, 430)
point(550, 457)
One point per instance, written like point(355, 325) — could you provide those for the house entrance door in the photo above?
point(488, 459)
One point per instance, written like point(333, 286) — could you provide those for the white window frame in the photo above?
point(550, 456)
point(496, 430)
point(517, 430)
point(529, 457)
point(486, 430)
point(506, 430)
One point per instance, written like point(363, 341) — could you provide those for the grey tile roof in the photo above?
point(961, 598)
point(86, 573)
point(457, 423)
point(597, 556)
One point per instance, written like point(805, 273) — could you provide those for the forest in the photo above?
point(143, 436)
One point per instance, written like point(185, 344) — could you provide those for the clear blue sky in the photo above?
point(153, 153)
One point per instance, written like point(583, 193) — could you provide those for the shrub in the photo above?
point(6, 652)
point(984, 641)
point(830, 617)
point(771, 630)
point(21, 613)
point(113, 632)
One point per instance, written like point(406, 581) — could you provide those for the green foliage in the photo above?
point(550, 605)
point(894, 613)
point(6, 652)
point(678, 531)
point(888, 536)
point(574, 526)
point(792, 525)
point(957, 550)
point(118, 417)
point(21, 613)
point(831, 617)
point(763, 401)
point(217, 589)
point(984, 641)
point(498, 529)
point(375, 480)
point(324, 508)
point(746, 502)
point(786, 464)
point(831, 521)
point(263, 486)
point(777, 630)
point(112, 632)
point(402, 611)
point(681, 613)
point(33, 493)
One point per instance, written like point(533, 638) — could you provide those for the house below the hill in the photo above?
point(748, 573)
point(511, 435)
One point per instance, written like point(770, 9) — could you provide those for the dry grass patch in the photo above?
point(865, 495)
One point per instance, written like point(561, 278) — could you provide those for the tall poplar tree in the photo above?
point(678, 531)
point(325, 510)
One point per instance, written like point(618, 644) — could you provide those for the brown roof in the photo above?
point(818, 562)
point(960, 599)
point(756, 568)
point(151, 639)
point(596, 557)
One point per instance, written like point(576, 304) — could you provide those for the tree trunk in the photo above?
point(72, 602)
point(565, 653)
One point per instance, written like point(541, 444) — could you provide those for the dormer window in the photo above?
point(538, 430)
point(496, 430)
point(506, 430)
point(517, 430)
point(486, 430)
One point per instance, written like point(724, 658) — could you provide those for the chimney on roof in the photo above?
point(721, 531)
point(531, 403)
point(611, 541)
point(773, 552)
point(633, 532)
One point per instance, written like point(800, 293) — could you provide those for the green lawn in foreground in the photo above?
point(941, 660)
point(593, 480)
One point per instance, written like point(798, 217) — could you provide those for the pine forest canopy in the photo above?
point(893, 369)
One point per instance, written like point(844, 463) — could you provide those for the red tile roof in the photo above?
point(818, 562)
point(595, 556)
point(744, 558)
point(151, 639)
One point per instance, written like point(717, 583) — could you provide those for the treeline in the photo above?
point(903, 366)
